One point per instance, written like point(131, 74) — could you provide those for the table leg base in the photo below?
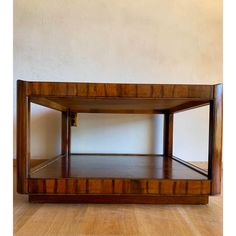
point(118, 199)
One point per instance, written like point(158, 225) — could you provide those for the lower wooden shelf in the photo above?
point(115, 166)
point(118, 179)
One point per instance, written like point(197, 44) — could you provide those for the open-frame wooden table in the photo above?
point(118, 178)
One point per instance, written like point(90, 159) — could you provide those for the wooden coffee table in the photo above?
point(118, 178)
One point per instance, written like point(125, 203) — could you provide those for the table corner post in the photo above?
point(215, 140)
point(65, 133)
point(23, 137)
point(65, 142)
point(168, 134)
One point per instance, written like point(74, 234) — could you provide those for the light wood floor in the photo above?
point(112, 220)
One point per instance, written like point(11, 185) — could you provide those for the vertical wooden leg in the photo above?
point(168, 134)
point(215, 140)
point(65, 133)
point(23, 137)
point(65, 142)
point(168, 144)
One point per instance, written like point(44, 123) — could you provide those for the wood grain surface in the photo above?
point(118, 98)
point(119, 186)
point(140, 177)
point(215, 140)
point(116, 220)
point(119, 90)
point(118, 166)
point(23, 137)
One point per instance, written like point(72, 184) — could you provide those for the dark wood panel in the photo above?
point(109, 176)
point(120, 174)
point(65, 133)
point(120, 90)
point(65, 142)
point(168, 134)
point(40, 186)
point(119, 186)
point(118, 199)
point(215, 139)
point(118, 166)
point(23, 137)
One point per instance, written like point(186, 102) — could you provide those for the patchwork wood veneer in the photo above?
point(118, 178)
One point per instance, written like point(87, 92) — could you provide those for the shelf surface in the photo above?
point(117, 166)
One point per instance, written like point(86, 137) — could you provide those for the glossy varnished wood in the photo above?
point(65, 133)
point(118, 98)
point(168, 134)
point(120, 175)
point(23, 139)
point(84, 176)
point(118, 219)
point(120, 90)
point(119, 166)
point(119, 187)
point(215, 139)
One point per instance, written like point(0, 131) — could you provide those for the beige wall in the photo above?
point(143, 41)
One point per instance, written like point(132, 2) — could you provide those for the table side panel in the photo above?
point(120, 90)
point(119, 186)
